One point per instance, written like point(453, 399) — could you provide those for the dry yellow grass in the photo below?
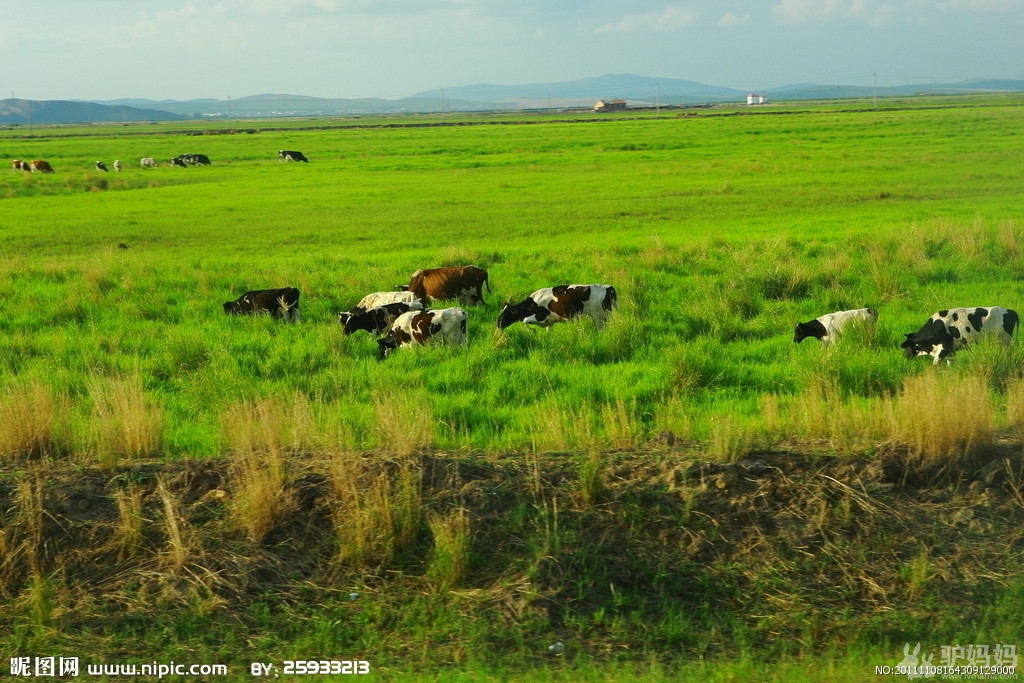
point(449, 559)
point(126, 423)
point(945, 421)
point(376, 505)
point(31, 424)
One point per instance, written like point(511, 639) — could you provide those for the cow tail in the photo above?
point(611, 299)
point(487, 281)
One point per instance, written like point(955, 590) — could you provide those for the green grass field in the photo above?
point(719, 228)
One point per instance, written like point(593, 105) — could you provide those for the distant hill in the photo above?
point(638, 91)
point(24, 112)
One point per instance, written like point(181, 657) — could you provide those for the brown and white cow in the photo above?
point(278, 303)
point(464, 283)
point(948, 331)
point(417, 328)
point(551, 305)
point(19, 165)
point(40, 166)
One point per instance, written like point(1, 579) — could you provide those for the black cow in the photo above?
point(278, 303)
point(291, 155)
point(950, 330)
point(376, 320)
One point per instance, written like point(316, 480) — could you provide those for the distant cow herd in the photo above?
point(405, 318)
point(182, 160)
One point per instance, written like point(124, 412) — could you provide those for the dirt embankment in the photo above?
point(780, 542)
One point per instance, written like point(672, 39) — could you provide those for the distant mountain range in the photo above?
point(638, 91)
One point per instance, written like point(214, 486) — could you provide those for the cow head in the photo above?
point(232, 307)
point(514, 313)
point(812, 329)
point(385, 345)
point(371, 321)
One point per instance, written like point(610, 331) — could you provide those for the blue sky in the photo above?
point(184, 49)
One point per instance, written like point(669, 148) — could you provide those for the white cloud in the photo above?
point(979, 6)
point(878, 12)
point(731, 19)
point(816, 11)
point(671, 18)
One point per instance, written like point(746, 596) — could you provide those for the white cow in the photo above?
point(147, 162)
point(384, 298)
point(828, 327)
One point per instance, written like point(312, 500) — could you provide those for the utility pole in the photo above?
point(657, 100)
point(229, 112)
point(874, 91)
point(442, 104)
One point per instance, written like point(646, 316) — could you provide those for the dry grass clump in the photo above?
point(449, 559)
point(260, 435)
point(32, 422)
point(404, 420)
point(376, 505)
point(128, 532)
point(126, 423)
point(945, 421)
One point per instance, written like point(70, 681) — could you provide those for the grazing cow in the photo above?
point(40, 166)
point(376, 320)
point(291, 155)
point(378, 299)
point(147, 162)
point(545, 307)
point(441, 326)
point(19, 165)
point(464, 283)
point(184, 160)
point(828, 327)
point(100, 166)
point(381, 298)
point(278, 303)
point(117, 165)
point(950, 330)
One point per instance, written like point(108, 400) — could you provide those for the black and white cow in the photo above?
point(828, 327)
point(950, 330)
point(184, 160)
point(278, 303)
point(100, 166)
point(376, 320)
point(416, 328)
point(551, 305)
point(291, 155)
